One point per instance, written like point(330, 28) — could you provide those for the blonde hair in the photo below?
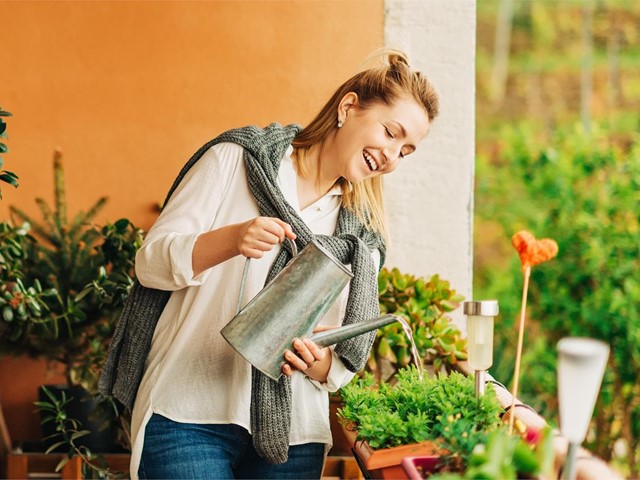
point(379, 84)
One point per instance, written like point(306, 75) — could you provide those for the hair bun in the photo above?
point(397, 58)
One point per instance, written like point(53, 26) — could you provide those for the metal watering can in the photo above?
point(289, 307)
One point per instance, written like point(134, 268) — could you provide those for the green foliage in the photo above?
point(443, 409)
point(546, 56)
point(424, 306)
point(63, 285)
point(68, 432)
point(507, 457)
point(21, 306)
point(583, 192)
point(5, 176)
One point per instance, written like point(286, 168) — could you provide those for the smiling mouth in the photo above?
point(370, 161)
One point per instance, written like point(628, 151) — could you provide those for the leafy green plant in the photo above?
point(424, 305)
point(582, 191)
point(78, 276)
point(68, 432)
point(508, 457)
point(5, 176)
point(63, 284)
point(442, 409)
point(21, 306)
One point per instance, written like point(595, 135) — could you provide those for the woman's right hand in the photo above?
point(261, 234)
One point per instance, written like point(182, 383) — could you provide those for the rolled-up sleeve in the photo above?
point(337, 377)
point(165, 259)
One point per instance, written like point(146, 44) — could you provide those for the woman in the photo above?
point(200, 410)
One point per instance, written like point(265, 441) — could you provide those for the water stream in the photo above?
point(406, 328)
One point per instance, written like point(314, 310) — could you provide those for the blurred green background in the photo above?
point(558, 154)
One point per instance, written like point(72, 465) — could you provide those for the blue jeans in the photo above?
point(175, 450)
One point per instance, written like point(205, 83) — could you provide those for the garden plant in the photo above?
point(442, 409)
point(424, 305)
point(5, 176)
point(582, 190)
point(63, 283)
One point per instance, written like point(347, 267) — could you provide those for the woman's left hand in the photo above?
point(308, 358)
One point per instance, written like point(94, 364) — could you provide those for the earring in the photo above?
point(340, 124)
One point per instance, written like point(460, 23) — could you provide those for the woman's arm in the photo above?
point(251, 239)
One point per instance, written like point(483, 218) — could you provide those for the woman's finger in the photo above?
point(304, 352)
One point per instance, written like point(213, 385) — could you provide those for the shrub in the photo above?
point(583, 192)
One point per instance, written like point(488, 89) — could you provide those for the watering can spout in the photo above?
point(335, 335)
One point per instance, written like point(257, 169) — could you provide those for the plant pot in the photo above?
point(386, 463)
point(341, 444)
point(84, 408)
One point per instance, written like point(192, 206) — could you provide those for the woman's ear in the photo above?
point(349, 101)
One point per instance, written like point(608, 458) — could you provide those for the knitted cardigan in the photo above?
point(351, 244)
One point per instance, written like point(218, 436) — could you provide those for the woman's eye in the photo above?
point(389, 134)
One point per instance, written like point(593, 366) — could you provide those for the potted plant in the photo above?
point(421, 415)
point(424, 305)
point(503, 456)
point(63, 282)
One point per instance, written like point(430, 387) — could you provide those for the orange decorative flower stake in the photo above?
point(531, 252)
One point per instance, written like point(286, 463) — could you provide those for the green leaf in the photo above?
point(54, 446)
point(9, 177)
point(7, 313)
point(80, 434)
point(122, 224)
point(62, 463)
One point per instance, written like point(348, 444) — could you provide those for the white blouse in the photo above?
point(192, 375)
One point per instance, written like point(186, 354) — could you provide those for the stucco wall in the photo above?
point(430, 196)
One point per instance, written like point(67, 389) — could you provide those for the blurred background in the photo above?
point(557, 153)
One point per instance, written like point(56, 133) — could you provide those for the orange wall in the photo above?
point(129, 90)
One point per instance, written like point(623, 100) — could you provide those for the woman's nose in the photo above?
point(391, 155)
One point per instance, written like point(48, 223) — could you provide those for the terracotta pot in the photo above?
point(386, 463)
point(341, 444)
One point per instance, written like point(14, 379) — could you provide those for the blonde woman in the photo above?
point(199, 409)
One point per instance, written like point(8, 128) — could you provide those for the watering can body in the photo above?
point(290, 307)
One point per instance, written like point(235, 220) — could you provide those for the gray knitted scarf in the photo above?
point(351, 244)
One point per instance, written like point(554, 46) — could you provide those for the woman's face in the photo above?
point(372, 141)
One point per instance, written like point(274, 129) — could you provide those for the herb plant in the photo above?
point(442, 409)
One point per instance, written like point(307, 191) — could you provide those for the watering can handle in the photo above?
point(245, 271)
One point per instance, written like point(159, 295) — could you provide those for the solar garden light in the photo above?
point(480, 338)
point(581, 366)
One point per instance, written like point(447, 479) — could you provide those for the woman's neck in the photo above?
point(315, 182)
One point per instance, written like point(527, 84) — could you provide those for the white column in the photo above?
point(429, 199)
